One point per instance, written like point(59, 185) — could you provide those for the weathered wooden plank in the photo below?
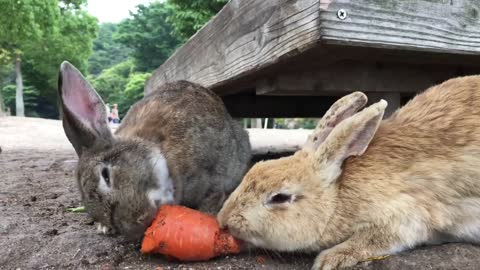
point(451, 26)
point(348, 76)
point(245, 36)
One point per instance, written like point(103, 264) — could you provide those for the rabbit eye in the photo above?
point(280, 198)
point(106, 175)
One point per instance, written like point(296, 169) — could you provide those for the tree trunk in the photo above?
point(2, 104)
point(20, 109)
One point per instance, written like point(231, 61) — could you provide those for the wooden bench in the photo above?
point(284, 58)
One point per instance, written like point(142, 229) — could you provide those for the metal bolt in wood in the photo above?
point(342, 14)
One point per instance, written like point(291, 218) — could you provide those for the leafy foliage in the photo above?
point(23, 23)
point(5, 74)
point(133, 91)
point(26, 21)
point(121, 84)
point(106, 51)
point(5, 58)
point(188, 16)
point(148, 34)
point(112, 80)
point(72, 41)
point(135, 86)
point(45, 33)
point(30, 95)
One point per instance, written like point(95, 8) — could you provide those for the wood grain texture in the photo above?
point(451, 26)
point(245, 36)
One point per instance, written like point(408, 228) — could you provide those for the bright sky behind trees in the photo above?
point(113, 10)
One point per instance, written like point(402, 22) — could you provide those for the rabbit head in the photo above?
point(286, 204)
point(122, 181)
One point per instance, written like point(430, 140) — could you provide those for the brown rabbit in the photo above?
point(418, 182)
point(176, 145)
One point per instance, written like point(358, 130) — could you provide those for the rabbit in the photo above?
point(370, 187)
point(178, 145)
point(339, 111)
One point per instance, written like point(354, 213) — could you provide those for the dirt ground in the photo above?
point(37, 232)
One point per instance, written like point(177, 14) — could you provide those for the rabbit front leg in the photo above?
point(362, 245)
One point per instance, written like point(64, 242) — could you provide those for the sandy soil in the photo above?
point(37, 232)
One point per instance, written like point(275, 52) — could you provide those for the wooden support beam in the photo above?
point(250, 105)
point(265, 87)
point(347, 76)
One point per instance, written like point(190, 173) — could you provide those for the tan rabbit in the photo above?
point(176, 145)
point(372, 187)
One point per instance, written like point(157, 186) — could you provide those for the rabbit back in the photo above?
point(424, 162)
point(441, 125)
point(206, 150)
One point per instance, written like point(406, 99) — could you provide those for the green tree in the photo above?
point(71, 41)
point(40, 35)
point(106, 51)
point(30, 98)
point(21, 24)
point(133, 91)
point(120, 84)
point(149, 35)
point(112, 81)
point(188, 16)
point(5, 68)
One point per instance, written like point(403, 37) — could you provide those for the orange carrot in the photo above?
point(187, 235)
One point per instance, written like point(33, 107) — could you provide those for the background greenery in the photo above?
point(117, 58)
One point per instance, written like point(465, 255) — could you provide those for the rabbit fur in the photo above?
point(177, 145)
point(362, 187)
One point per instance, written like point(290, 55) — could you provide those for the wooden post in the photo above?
point(393, 99)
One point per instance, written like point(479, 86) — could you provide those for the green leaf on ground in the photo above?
point(80, 209)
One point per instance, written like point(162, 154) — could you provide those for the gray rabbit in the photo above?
point(177, 145)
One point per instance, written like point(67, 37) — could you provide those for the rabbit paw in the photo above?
point(101, 229)
point(333, 258)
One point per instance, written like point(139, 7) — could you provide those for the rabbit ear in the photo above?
point(82, 110)
point(339, 111)
point(349, 138)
